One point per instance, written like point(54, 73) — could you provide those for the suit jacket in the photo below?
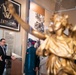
point(3, 54)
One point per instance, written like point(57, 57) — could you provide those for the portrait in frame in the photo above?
point(6, 19)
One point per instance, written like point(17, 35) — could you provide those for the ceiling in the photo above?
point(57, 5)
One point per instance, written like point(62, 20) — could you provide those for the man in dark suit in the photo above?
point(3, 56)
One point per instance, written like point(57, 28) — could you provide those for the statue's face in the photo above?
point(56, 26)
point(58, 21)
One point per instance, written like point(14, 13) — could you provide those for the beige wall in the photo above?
point(72, 16)
point(47, 17)
point(37, 8)
point(24, 16)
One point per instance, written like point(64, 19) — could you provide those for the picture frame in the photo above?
point(6, 19)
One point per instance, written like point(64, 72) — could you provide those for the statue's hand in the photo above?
point(11, 8)
point(74, 28)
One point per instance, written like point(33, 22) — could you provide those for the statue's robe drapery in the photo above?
point(61, 55)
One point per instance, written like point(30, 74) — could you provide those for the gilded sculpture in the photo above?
point(59, 47)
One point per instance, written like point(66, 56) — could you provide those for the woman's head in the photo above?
point(57, 22)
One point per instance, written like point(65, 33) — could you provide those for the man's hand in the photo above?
point(1, 58)
point(13, 57)
point(36, 69)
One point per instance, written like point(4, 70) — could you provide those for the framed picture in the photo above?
point(6, 19)
point(36, 21)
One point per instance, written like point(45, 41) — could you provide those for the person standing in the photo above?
point(31, 63)
point(43, 70)
point(3, 55)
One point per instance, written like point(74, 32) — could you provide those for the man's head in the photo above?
point(2, 42)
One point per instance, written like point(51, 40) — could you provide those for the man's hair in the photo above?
point(2, 39)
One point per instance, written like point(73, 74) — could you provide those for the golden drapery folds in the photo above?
point(61, 55)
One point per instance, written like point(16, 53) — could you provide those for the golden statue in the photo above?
point(59, 47)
